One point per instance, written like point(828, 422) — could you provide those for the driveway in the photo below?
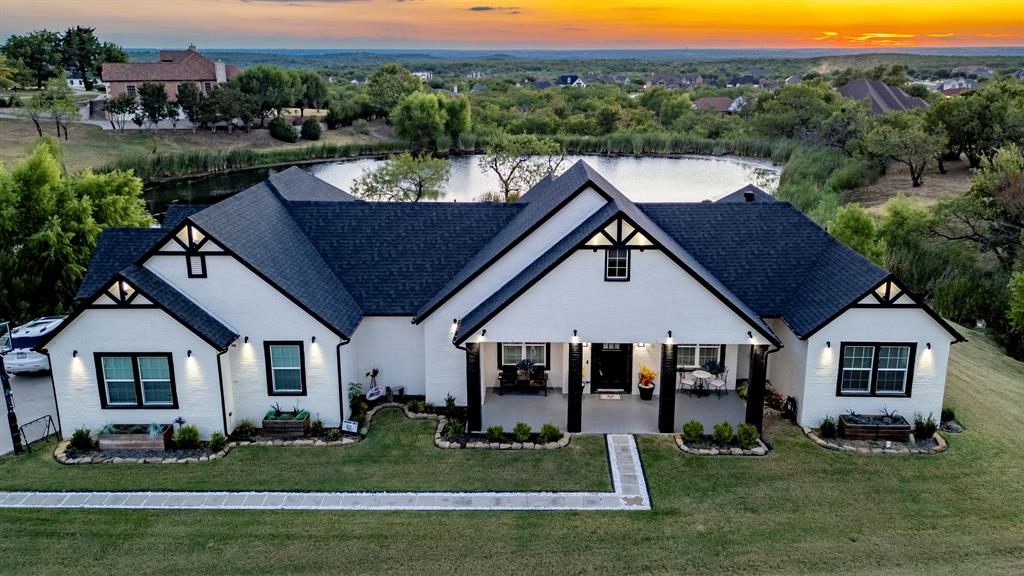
point(33, 398)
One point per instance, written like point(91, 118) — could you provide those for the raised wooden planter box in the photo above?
point(135, 437)
point(898, 431)
point(286, 428)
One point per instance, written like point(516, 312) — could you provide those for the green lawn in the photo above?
point(398, 454)
point(802, 510)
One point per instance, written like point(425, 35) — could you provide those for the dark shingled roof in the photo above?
point(741, 195)
point(297, 185)
point(176, 213)
point(116, 249)
point(884, 98)
point(180, 307)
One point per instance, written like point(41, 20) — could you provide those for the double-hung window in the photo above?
point(136, 380)
point(514, 352)
point(696, 355)
point(286, 368)
point(616, 264)
point(875, 369)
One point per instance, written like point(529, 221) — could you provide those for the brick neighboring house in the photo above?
point(175, 67)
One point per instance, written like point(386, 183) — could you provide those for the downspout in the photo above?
point(341, 385)
point(220, 379)
point(53, 386)
point(776, 349)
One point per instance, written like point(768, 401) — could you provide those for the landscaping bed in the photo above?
point(722, 441)
point(876, 427)
point(136, 437)
point(928, 445)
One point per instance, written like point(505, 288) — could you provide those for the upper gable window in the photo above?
point(617, 239)
point(192, 239)
point(616, 264)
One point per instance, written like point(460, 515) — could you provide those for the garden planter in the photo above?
point(286, 427)
point(136, 437)
point(646, 392)
point(874, 428)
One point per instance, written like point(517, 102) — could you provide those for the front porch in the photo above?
point(628, 414)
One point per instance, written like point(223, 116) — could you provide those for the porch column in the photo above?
point(755, 387)
point(474, 403)
point(667, 390)
point(574, 423)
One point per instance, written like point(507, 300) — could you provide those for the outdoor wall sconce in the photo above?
point(314, 339)
point(483, 333)
point(189, 353)
point(575, 336)
point(828, 343)
point(670, 334)
point(246, 340)
point(74, 353)
point(641, 344)
point(928, 345)
point(750, 335)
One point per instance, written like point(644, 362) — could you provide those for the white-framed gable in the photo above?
point(890, 295)
point(121, 292)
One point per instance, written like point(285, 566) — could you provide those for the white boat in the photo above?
point(22, 357)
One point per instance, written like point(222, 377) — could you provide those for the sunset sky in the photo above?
point(529, 23)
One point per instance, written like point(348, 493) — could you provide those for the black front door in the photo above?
point(611, 367)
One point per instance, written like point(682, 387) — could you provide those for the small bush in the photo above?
point(454, 428)
point(281, 130)
point(316, 427)
point(924, 428)
point(550, 433)
point(827, 428)
point(693, 431)
point(414, 406)
point(746, 436)
point(81, 440)
point(334, 434)
point(187, 437)
point(217, 442)
point(335, 117)
point(450, 408)
point(722, 433)
point(246, 428)
point(948, 415)
point(311, 129)
point(495, 434)
point(521, 432)
point(361, 126)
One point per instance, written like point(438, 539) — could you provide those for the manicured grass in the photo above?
point(802, 510)
point(397, 455)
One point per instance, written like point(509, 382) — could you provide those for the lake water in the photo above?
point(661, 179)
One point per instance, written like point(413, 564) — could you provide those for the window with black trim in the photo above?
point(616, 264)
point(196, 265)
point(875, 369)
point(286, 368)
point(511, 353)
point(692, 356)
point(130, 89)
point(192, 240)
point(136, 380)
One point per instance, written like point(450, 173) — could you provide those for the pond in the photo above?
point(646, 179)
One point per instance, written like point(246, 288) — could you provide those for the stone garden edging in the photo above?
point(838, 446)
point(760, 450)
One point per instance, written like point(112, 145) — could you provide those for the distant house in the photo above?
point(570, 81)
point(674, 81)
point(747, 80)
point(1019, 74)
point(768, 85)
point(950, 92)
point(974, 70)
point(75, 82)
point(794, 79)
point(720, 104)
point(540, 84)
point(175, 67)
point(958, 82)
point(884, 98)
point(423, 75)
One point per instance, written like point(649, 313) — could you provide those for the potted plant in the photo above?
point(646, 385)
point(523, 369)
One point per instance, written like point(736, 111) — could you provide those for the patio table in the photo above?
point(702, 377)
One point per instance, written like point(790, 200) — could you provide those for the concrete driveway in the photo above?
point(33, 398)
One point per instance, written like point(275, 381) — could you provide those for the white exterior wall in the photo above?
point(394, 345)
point(558, 365)
point(786, 367)
point(133, 330)
point(445, 373)
point(876, 325)
point(256, 309)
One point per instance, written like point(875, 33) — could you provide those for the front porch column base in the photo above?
point(574, 421)
point(755, 388)
point(667, 390)
point(474, 398)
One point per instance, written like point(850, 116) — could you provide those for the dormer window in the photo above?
point(616, 265)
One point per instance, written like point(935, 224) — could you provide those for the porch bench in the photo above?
point(512, 380)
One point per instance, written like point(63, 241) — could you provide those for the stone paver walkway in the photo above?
point(628, 482)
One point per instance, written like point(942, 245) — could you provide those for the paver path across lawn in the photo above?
point(628, 483)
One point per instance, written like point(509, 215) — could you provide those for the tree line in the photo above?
point(38, 56)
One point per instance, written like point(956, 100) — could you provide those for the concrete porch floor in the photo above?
point(630, 415)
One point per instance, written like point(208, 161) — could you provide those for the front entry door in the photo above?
point(612, 368)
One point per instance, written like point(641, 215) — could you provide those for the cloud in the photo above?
point(943, 35)
point(507, 9)
point(826, 36)
point(998, 35)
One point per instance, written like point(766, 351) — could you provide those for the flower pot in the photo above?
point(646, 392)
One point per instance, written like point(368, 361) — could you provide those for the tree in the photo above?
point(404, 178)
point(966, 124)
point(459, 119)
point(49, 226)
point(1015, 310)
point(790, 110)
point(388, 85)
point(190, 99)
point(271, 88)
point(842, 128)
point(64, 112)
point(313, 92)
point(79, 52)
point(855, 227)
point(172, 112)
point(7, 73)
point(520, 162)
point(109, 52)
point(420, 119)
point(902, 137)
point(35, 110)
point(38, 52)
point(120, 109)
point(153, 103)
point(225, 104)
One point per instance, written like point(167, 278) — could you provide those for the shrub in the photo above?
point(550, 433)
point(187, 437)
point(827, 428)
point(415, 406)
point(335, 117)
point(81, 440)
point(521, 432)
point(495, 434)
point(693, 430)
point(924, 428)
point(450, 408)
point(316, 427)
point(746, 436)
point(246, 428)
point(281, 130)
point(311, 129)
point(947, 415)
point(217, 442)
point(361, 126)
point(454, 428)
point(334, 434)
point(722, 433)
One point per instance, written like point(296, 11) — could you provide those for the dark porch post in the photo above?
point(574, 423)
point(667, 390)
point(474, 403)
point(755, 388)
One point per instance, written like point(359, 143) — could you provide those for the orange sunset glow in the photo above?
point(865, 24)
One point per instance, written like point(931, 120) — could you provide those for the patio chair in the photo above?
point(720, 381)
point(539, 379)
point(506, 379)
point(686, 382)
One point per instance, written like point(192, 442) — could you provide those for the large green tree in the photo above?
point(153, 103)
point(459, 120)
point(270, 87)
point(904, 137)
point(405, 178)
point(48, 228)
point(190, 99)
point(388, 85)
point(80, 51)
point(519, 162)
point(121, 108)
point(420, 119)
point(38, 52)
point(312, 92)
point(7, 73)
